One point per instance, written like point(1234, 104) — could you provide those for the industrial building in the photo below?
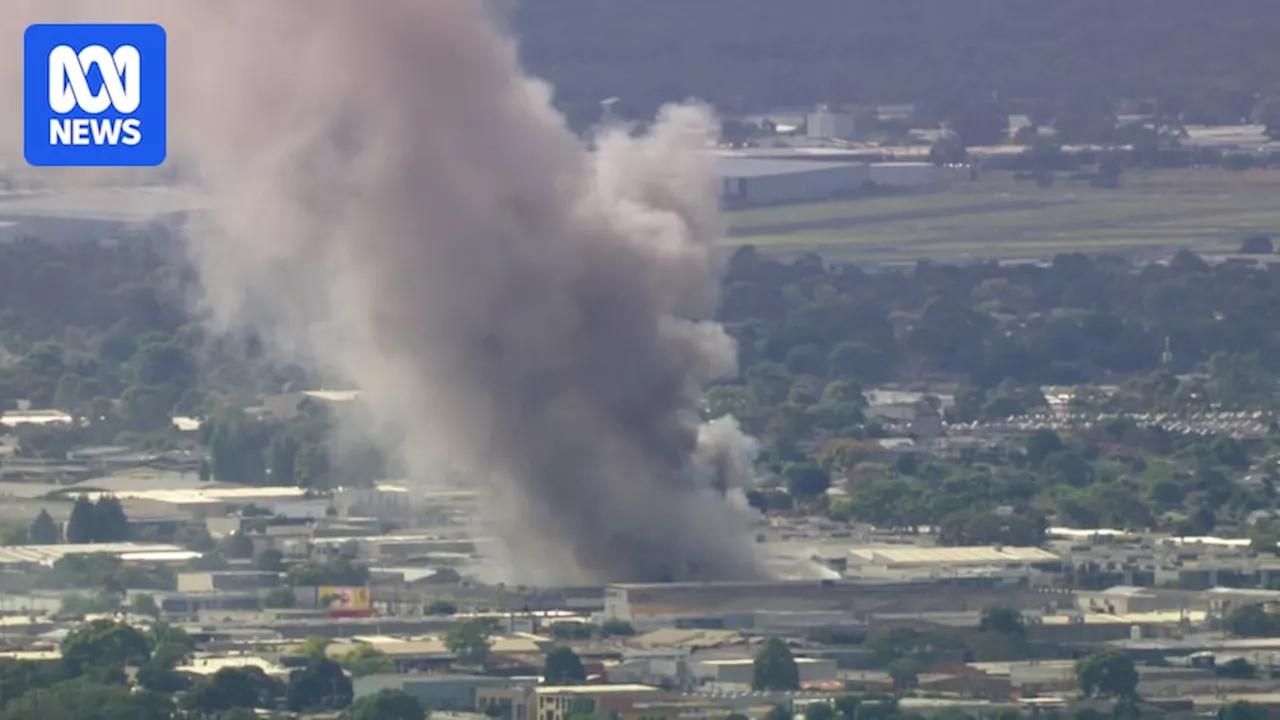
point(905, 175)
point(775, 178)
point(746, 182)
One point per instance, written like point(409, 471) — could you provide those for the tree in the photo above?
point(83, 698)
point(239, 546)
point(110, 524)
point(233, 687)
point(1107, 674)
point(1237, 668)
point(144, 604)
point(313, 648)
point(104, 645)
point(280, 597)
point(904, 673)
point(807, 479)
point(364, 659)
point(976, 121)
point(1003, 620)
point(613, 627)
point(1252, 621)
point(564, 667)
point(469, 641)
point(386, 704)
point(320, 686)
point(341, 571)
point(43, 530)
point(270, 560)
point(775, 668)
point(1257, 245)
point(80, 527)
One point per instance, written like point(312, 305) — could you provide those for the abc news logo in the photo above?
point(95, 95)
point(69, 89)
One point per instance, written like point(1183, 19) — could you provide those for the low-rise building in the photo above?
point(738, 671)
point(559, 702)
point(435, 692)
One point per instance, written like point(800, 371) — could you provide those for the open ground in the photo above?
point(1153, 212)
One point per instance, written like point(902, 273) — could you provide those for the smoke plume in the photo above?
point(390, 190)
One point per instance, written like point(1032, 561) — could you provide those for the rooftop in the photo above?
point(734, 662)
point(14, 418)
point(211, 495)
point(981, 555)
point(49, 554)
point(211, 665)
point(143, 480)
point(594, 689)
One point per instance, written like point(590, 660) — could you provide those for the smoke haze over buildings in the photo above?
point(391, 192)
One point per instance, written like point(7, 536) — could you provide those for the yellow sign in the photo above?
point(344, 598)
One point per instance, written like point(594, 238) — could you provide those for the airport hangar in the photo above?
point(752, 180)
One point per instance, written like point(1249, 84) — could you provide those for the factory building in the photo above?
point(746, 182)
point(756, 179)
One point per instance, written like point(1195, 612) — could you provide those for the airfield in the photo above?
point(1206, 210)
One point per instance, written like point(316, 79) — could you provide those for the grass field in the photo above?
point(1206, 210)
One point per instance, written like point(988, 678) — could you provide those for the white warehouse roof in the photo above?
point(957, 556)
point(48, 554)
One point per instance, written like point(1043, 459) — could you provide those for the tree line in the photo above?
point(751, 56)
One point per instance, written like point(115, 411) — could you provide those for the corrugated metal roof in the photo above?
point(49, 554)
point(980, 555)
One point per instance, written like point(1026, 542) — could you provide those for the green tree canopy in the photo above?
point(43, 530)
point(469, 641)
point(1107, 674)
point(563, 667)
point(386, 704)
point(364, 660)
point(775, 668)
point(103, 645)
point(320, 686)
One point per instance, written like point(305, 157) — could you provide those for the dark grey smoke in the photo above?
point(391, 191)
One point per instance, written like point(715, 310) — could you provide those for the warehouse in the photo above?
point(746, 181)
point(905, 175)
